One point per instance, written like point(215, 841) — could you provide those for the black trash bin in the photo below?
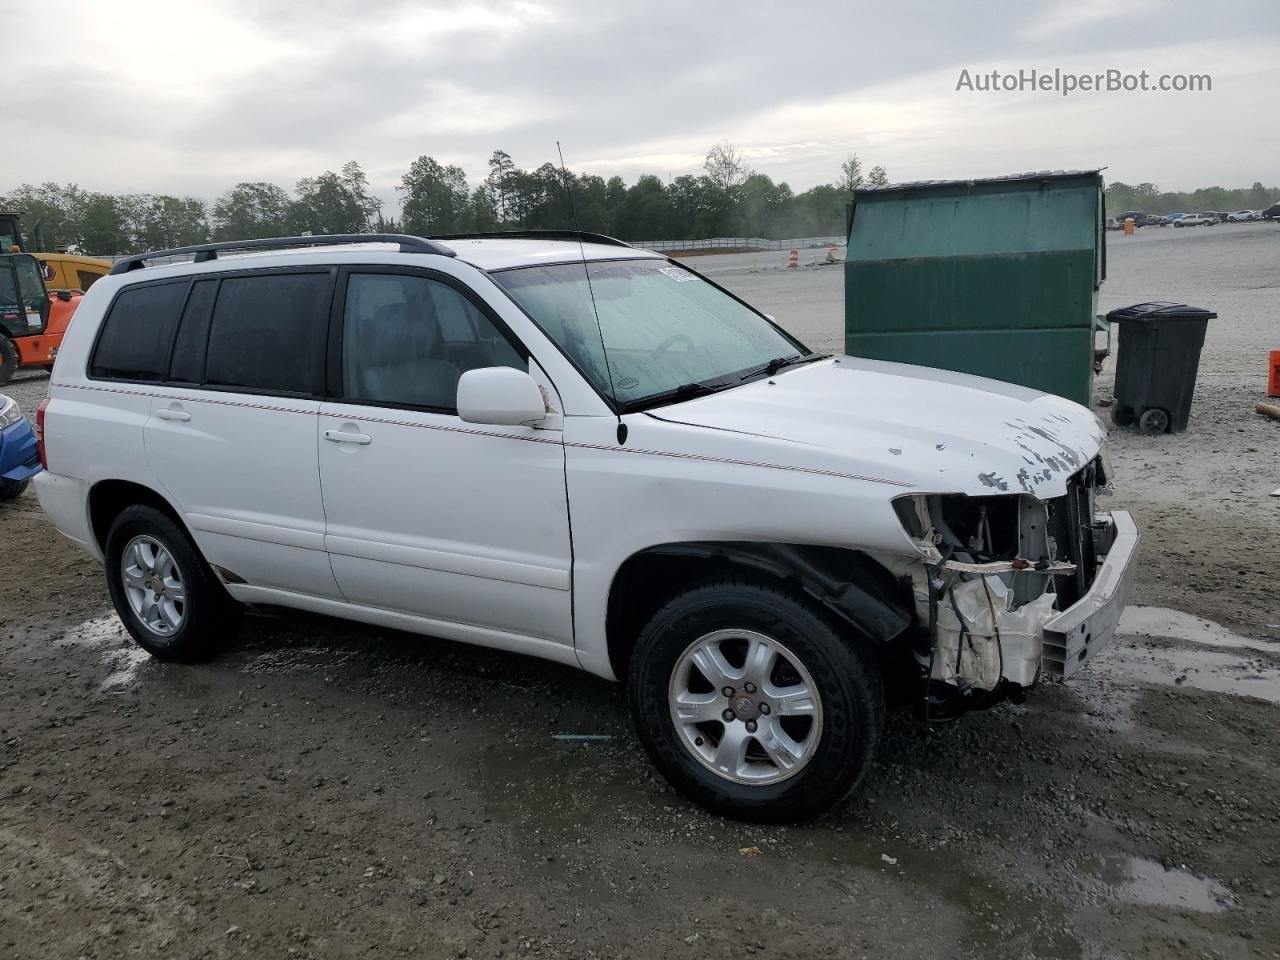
point(1159, 353)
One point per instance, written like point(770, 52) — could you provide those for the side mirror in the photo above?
point(501, 396)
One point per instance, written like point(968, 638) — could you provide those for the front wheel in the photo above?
point(752, 701)
point(164, 592)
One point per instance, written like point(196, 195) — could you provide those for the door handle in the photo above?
point(348, 436)
point(173, 412)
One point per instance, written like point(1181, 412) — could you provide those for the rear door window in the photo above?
point(135, 337)
point(267, 332)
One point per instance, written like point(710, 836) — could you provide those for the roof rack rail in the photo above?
point(204, 252)
point(582, 235)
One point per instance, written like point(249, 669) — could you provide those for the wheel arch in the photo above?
point(107, 498)
point(853, 586)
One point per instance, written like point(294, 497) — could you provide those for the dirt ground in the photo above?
point(330, 790)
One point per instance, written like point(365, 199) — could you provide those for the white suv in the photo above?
point(567, 447)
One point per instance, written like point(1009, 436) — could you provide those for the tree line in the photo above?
point(1147, 197)
point(727, 199)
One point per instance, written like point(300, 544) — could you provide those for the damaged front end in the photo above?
point(1013, 588)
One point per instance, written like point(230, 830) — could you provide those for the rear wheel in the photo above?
point(8, 359)
point(753, 703)
point(162, 589)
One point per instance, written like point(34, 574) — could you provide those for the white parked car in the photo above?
point(1243, 216)
point(567, 447)
point(1197, 220)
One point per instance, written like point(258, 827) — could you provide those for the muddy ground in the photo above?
point(330, 790)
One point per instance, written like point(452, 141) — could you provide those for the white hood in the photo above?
point(938, 431)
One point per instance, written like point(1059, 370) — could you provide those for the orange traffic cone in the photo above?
point(793, 261)
point(1273, 374)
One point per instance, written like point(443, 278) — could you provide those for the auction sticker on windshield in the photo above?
point(678, 274)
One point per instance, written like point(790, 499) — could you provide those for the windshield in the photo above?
point(667, 333)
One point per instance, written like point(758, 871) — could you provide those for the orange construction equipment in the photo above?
point(1273, 374)
point(32, 320)
point(793, 261)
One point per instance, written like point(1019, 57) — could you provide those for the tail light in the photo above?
point(44, 405)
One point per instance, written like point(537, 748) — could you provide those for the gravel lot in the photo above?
point(329, 790)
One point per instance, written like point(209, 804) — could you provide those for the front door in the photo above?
point(461, 524)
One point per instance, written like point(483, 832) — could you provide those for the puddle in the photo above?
point(1216, 671)
point(1169, 648)
point(1176, 625)
point(107, 637)
point(1144, 881)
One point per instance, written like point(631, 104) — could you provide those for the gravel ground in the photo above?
point(330, 790)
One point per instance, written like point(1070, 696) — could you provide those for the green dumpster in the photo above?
point(996, 277)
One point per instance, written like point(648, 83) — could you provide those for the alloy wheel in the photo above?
point(745, 707)
point(153, 585)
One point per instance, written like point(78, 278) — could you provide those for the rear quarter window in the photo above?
point(135, 337)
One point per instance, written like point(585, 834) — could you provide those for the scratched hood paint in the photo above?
point(940, 432)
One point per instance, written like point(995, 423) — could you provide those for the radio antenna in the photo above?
point(582, 251)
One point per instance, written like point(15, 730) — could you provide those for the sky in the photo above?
point(191, 98)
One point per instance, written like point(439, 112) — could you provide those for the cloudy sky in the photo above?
point(192, 98)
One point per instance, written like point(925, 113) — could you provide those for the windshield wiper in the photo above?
point(700, 388)
point(686, 391)
point(778, 363)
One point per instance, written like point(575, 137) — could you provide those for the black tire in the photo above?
point(843, 669)
point(1121, 415)
point(12, 489)
point(210, 617)
point(8, 360)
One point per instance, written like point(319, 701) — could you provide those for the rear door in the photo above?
point(465, 524)
point(232, 433)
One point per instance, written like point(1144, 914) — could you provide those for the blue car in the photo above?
point(19, 457)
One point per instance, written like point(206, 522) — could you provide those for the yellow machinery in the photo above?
point(67, 271)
